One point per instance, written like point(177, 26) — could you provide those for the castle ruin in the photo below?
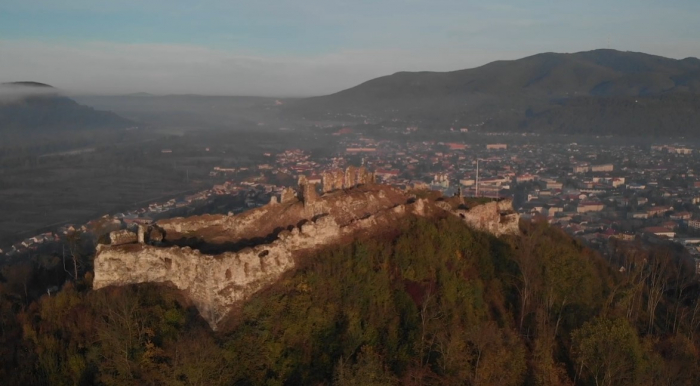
point(338, 179)
point(237, 255)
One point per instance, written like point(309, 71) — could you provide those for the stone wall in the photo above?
point(122, 237)
point(217, 282)
point(364, 177)
point(213, 282)
point(333, 180)
point(350, 177)
point(191, 224)
point(288, 195)
point(497, 217)
point(338, 179)
point(142, 234)
point(307, 191)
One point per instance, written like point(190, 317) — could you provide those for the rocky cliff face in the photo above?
point(498, 217)
point(258, 246)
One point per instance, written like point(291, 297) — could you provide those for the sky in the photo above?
point(311, 47)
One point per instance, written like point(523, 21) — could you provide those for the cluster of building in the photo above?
point(595, 192)
point(142, 216)
point(30, 243)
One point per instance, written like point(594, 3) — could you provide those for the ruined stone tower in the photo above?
point(345, 179)
point(350, 177)
point(307, 191)
point(288, 195)
point(328, 181)
point(364, 177)
point(333, 180)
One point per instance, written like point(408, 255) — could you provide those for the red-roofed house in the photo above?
point(661, 232)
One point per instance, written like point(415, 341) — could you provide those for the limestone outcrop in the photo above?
point(235, 256)
point(497, 217)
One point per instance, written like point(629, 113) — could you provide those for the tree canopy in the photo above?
point(435, 303)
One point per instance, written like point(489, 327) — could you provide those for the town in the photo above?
point(595, 192)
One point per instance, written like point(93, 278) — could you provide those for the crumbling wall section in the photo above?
point(122, 237)
point(308, 191)
point(333, 180)
point(288, 195)
point(190, 224)
point(217, 282)
point(497, 217)
point(213, 282)
point(364, 176)
point(350, 177)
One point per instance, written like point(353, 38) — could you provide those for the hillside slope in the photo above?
point(505, 95)
point(433, 302)
point(36, 106)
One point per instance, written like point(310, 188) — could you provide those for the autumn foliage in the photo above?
point(433, 304)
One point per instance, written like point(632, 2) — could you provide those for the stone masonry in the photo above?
point(216, 282)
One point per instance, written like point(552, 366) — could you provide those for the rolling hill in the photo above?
point(37, 106)
point(600, 91)
point(426, 301)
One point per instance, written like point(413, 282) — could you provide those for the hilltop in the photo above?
point(220, 261)
point(417, 300)
point(37, 106)
point(28, 84)
point(548, 92)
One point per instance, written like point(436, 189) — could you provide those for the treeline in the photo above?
point(651, 116)
point(637, 117)
point(438, 304)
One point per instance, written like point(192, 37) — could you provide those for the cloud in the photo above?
point(10, 93)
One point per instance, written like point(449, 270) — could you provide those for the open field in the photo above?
point(39, 192)
point(69, 192)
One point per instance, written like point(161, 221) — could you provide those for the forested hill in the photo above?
point(542, 93)
point(430, 303)
point(33, 106)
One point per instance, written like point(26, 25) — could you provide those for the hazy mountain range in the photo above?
point(601, 91)
point(594, 92)
point(38, 106)
point(186, 111)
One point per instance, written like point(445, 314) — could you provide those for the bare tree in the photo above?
point(685, 277)
point(694, 319)
point(526, 259)
point(658, 268)
point(74, 240)
point(429, 312)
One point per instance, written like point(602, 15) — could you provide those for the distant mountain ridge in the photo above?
point(549, 92)
point(26, 84)
point(28, 105)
